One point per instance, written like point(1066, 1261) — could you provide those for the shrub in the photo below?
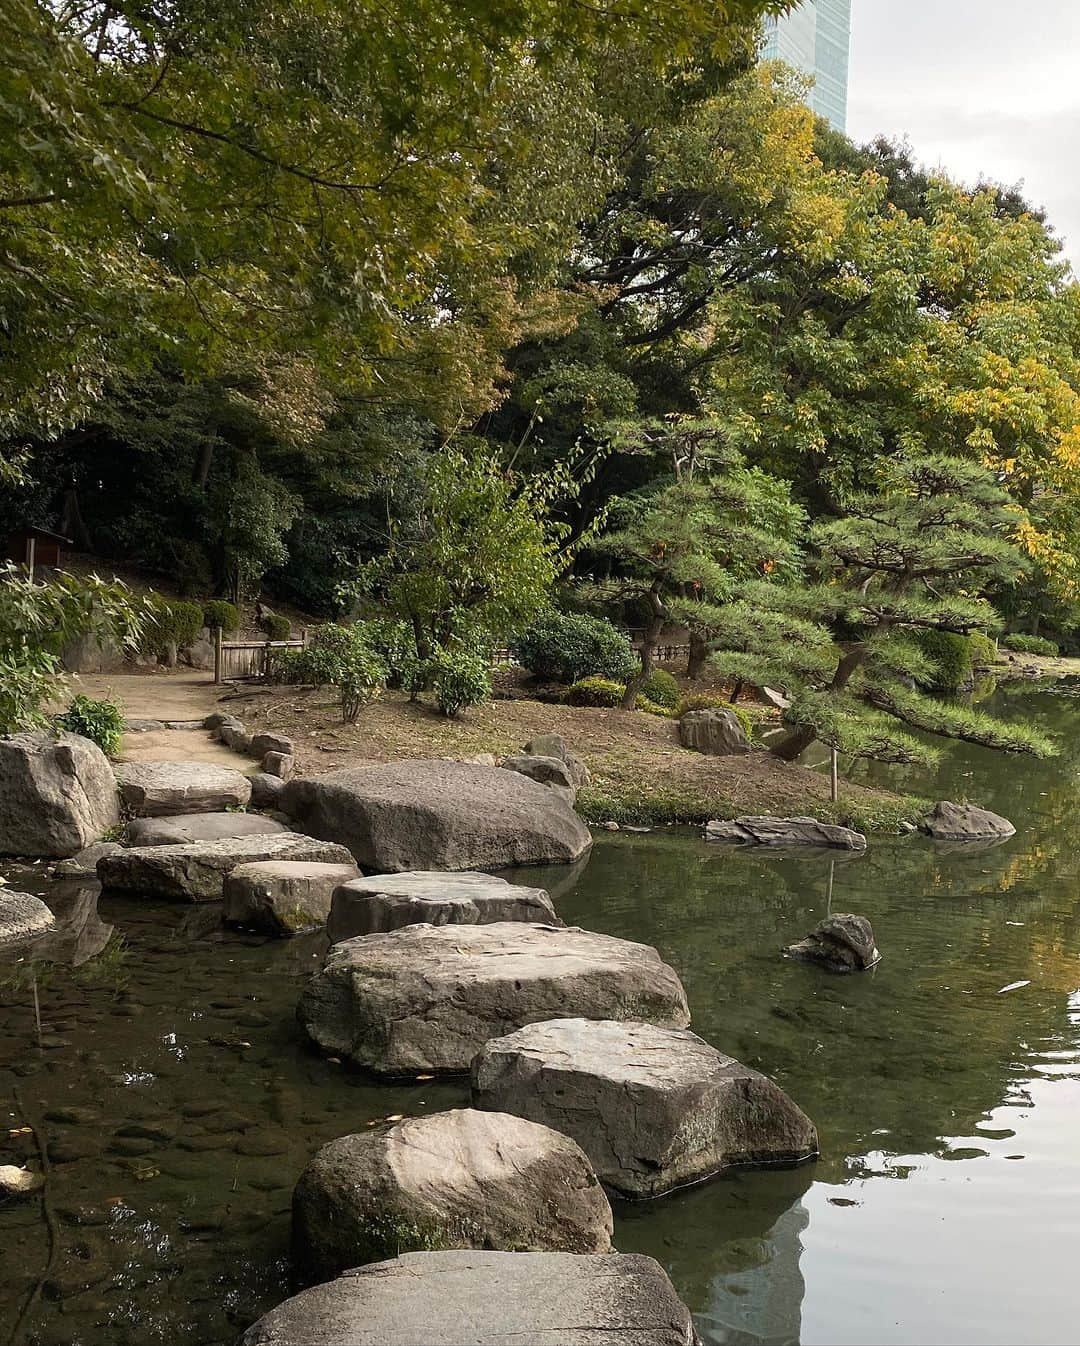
point(596, 692)
point(220, 614)
point(1030, 644)
point(716, 701)
point(661, 689)
point(566, 647)
point(276, 626)
point(171, 623)
point(984, 651)
point(459, 678)
point(950, 654)
point(100, 721)
point(288, 666)
point(655, 708)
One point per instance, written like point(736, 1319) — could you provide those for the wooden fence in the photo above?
point(245, 660)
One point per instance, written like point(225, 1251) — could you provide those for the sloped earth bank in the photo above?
point(179, 1103)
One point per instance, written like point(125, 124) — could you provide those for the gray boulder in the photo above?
point(554, 745)
point(437, 815)
point(187, 827)
point(57, 794)
point(265, 742)
point(162, 789)
point(840, 943)
point(458, 1179)
point(785, 832)
point(279, 764)
point(389, 901)
point(84, 865)
point(426, 998)
point(473, 1298)
point(283, 897)
point(544, 770)
point(23, 919)
point(716, 732)
point(964, 822)
point(653, 1108)
point(265, 790)
point(196, 872)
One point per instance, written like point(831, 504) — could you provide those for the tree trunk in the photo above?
point(203, 463)
point(72, 523)
point(653, 630)
point(795, 743)
point(736, 692)
point(699, 652)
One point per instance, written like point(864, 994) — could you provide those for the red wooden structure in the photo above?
point(33, 547)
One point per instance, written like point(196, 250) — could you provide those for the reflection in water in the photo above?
point(180, 1103)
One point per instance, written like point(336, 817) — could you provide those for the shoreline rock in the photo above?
point(283, 897)
point(383, 902)
point(57, 795)
point(769, 831)
point(965, 822)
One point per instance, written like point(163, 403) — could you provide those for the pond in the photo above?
point(178, 1102)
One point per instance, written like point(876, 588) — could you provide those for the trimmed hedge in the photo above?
point(602, 692)
point(276, 626)
point(219, 613)
point(984, 651)
point(1022, 644)
point(661, 689)
point(951, 656)
point(459, 679)
point(170, 622)
point(569, 646)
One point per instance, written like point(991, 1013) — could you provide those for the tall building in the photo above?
point(816, 38)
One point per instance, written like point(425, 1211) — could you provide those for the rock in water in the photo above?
point(161, 789)
point(23, 919)
point(20, 1181)
point(964, 822)
point(437, 815)
point(187, 827)
point(196, 872)
point(458, 1179)
point(715, 731)
point(283, 897)
point(766, 831)
point(57, 794)
point(653, 1108)
point(84, 865)
point(390, 901)
point(427, 998)
point(486, 1299)
point(840, 943)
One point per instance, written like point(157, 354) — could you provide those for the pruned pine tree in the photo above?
point(682, 545)
point(913, 555)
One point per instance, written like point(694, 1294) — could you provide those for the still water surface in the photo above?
point(179, 1102)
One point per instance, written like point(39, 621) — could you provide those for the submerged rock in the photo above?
point(19, 1181)
point(283, 897)
point(390, 901)
point(57, 794)
point(84, 865)
point(964, 822)
point(162, 789)
point(196, 872)
point(767, 831)
point(486, 1299)
point(185, 827)
point(840, 943)
point(23, 919)
point(438, 815)
point(458, 1179)
point(715, 731)
point(653, 1108)
point(427, 998)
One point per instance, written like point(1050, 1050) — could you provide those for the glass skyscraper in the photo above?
point(816, 38)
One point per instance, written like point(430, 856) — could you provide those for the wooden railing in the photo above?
point(245, 660)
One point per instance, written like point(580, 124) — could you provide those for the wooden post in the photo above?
point(31, 555)
point(834, 784)
point(217, 654)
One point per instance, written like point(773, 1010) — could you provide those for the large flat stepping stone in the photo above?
point(654, 1109)
point(486, 1299)
point(57, 794)
point(458, 1179)
point(162, 789)
point(283, 897)
point(187, 827)
point(437, 815)
point(23, 919)
point(196, 872)
point(426, 998)
point(390, 901)
point(768, 831)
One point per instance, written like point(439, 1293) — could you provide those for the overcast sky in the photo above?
point(980, 87)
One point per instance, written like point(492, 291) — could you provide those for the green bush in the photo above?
point(276, 626)
point(1022, 644)
point(459, 678)
point(220, 614)
point(566, 647)
point(950, 655)
point(655, 708)
point(100, 721)
point(288, 666)
point(984, 651)
point(170, 622)
point(596, 692)
point(661, 689)
point(716, 701)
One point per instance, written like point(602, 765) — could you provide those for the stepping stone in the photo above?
point(768, 831)
point(438, 815)
point(486, 1299)
point(196, 872)
point(390, 901)
point(426, 998)
point(841, 943)
point(161, 789)
point(187, 827)
point(23, 919)
point(458, 1179)
point(283, 897)
point(654, 1109)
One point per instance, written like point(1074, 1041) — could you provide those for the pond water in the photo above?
point(179, 1103)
